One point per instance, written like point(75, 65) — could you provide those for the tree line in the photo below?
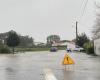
point(12, 39)
point(25, 41)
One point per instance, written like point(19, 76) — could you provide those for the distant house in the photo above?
point(97, 46)
point(39, 44)
point(68, 44)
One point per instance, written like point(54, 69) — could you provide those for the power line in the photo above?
point(82, 24)
point(83, 10)
point(82, 6)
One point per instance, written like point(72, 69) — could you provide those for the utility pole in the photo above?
point(76, 32)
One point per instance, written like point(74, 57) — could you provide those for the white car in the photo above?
point(79, 49)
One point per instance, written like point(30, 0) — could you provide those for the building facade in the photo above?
point(97, 46)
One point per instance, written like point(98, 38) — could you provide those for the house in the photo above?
point(97, 46)
point(39, 44)
point(68, 44)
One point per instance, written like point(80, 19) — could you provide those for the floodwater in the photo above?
point(31, 65)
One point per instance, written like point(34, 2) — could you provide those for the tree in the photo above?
point(52, 38)
point(82, 39)
point(12, 40)
point(96, 28)
point(26, 41)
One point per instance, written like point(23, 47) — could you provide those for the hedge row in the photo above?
point(89, 47)
point(4, 49)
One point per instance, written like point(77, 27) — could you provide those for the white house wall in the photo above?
point(97, 46)
point(67, 44)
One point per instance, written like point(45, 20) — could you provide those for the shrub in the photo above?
point(4, 49)
point(89, 47)
point(90, 50)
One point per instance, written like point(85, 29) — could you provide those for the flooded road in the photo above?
point(31, 66)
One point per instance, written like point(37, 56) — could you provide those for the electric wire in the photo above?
point(83, 10)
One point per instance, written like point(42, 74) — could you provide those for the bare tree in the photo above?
point(96, 28)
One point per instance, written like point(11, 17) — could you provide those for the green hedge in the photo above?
point(89, 47)
point(38, 48)
point(4, 49)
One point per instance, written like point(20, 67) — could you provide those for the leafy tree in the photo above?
point(52, 38)
point(13, 40)
point(26, 41)
point(82, 39)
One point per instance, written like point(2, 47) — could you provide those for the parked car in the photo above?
point(79, 49)
point(53, 49)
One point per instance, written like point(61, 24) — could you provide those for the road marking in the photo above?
point(49, 74)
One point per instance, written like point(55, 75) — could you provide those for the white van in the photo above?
point(79, 49)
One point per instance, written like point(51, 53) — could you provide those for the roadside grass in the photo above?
point(38, 49)
point(7, 50)
point(31, 49)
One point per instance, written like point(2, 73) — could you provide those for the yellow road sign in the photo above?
point(68, 60)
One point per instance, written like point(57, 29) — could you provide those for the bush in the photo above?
point(4, 49)
point(89, 47)
point(90, 50)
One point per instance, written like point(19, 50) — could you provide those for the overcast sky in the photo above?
point(40, 18)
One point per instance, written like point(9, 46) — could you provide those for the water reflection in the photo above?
point(29, 66)
point(18, 67)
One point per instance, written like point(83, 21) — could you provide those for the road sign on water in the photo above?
point(68, 60)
